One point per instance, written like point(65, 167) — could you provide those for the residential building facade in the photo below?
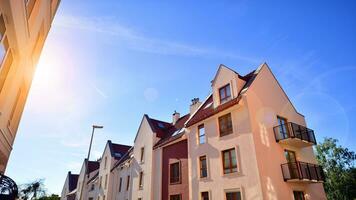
point(24, 26)
point(236, 150)
point(246, 140)
point(70, 185)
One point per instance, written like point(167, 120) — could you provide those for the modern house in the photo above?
point(24, 26)
point(246, 140)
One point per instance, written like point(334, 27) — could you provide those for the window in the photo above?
point(105, 162)
point(175, 173)
point(120, 184)
point(292, 163)
point(229, 161)
point(204, 196)
point(104, 197)
point(298, 195)
point(106, 181)
point(128, 183)
point(100, 182)
point(175, 197)
point(283, 127)
point(233, 195)
point(141, 181)
point(139, 199)
point(225, 125)
point(142, 154)
point(92, 187)
point(201, 134)
point(203, 167)
point(225, 93)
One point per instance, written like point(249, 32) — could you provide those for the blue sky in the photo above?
point(109, 62)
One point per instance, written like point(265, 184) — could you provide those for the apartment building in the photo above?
point(121, 186)
point(69, 186)
point(171, 159)
point(86, 176)
point(112, 153)
point(24, 25)
point(247, 141)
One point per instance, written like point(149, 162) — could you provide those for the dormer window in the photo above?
point(225, 93)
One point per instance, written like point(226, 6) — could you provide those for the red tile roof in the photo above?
point(207, 109)
point(92, 166)
point(118, 150)
point(168, 133)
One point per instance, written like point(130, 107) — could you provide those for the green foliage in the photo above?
point(52, 197)
point(339, 167)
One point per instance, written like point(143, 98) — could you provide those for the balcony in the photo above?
point(302, 172)
point(294, 134)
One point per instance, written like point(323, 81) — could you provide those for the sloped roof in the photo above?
point(207, 109)
point(118, 150)
point(92, 166)
point(172, 132)
point(72, 181)
point(125, 157)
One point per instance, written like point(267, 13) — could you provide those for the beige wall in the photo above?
point(246, 180)
point(265, 100)
point(145, 138)
point(65, 189)
point(122, 171)
point(157, 179)
point(25, 36)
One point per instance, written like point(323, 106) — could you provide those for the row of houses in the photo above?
point(246, 140)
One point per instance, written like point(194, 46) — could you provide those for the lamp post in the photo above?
point(87, 160)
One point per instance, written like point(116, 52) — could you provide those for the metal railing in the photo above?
point(293, 130)
point(302, 171)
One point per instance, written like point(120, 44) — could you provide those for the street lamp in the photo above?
point(87, 161)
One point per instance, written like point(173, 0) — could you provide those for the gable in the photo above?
point(145, 128)
point(266, 84)
point(223, 77)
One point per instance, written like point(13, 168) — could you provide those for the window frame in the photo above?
point(142, 156)
point(224, 89)
point(298, 191)
point(231, 167)
point(120, 184)
point(179, 173)
point(128, 183)
point(233, 191)
point(201, 195)
point(201, 167)
point(201, 126)
point(230, 128)
point(175, 195)
point(140, 182)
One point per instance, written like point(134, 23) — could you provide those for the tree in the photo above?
point(33, 190)
point(339, 167)
point(52, 197)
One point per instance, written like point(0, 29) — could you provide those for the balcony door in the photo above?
point(292, 163)
point(283, 127)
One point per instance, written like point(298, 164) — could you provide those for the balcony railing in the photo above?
point(302, 172)
point(294, 131)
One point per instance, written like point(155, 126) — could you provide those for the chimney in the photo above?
point(176, 116)
point(195, 105)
